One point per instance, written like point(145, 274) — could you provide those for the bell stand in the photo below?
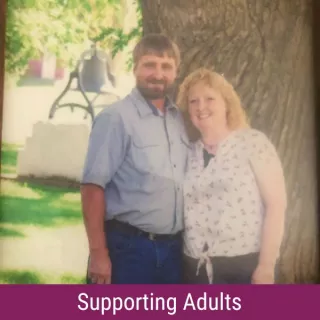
point(78, 75)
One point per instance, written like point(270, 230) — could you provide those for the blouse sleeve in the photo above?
point(262, 152)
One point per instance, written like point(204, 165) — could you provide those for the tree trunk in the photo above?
point(265, 49)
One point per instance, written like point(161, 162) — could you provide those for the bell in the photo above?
point(93, 76)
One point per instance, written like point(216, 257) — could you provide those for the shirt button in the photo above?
point(174, 166)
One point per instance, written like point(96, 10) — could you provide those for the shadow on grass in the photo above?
point(32, 277)
point(8, 232)
point(22, 203)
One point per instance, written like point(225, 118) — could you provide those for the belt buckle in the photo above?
point(151, 236)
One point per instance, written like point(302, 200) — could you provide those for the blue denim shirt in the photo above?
point(138, 156)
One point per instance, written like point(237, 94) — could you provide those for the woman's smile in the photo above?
point(204, 115)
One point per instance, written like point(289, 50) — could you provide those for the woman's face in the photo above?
point(206, 107)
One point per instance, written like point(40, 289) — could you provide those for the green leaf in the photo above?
point(62, 27)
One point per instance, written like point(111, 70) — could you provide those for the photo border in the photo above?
point(3, 11)
point(316, 77)
point(316, 82)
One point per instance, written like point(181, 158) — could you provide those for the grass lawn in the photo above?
point(34, 246)
point(9, 154)
point(39, 230)
point(43, 206)
point(34, 277)
point(30, 204)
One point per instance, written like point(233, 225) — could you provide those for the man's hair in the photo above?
point(156, 44)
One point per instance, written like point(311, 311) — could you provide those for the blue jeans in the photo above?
point(139, 260)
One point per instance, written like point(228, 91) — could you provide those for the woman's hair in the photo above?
point(236, 116)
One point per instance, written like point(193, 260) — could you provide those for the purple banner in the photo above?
point(159, 302)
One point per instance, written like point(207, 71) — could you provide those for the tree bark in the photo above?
point(264, 48)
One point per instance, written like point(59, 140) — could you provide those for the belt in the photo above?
point(132, 230)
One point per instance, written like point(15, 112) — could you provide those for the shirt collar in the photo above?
point(146, 108)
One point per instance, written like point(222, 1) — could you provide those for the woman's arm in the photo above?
point(269, 175)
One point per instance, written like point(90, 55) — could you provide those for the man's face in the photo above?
point(155, 75)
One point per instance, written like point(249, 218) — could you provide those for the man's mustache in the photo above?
point(155, 81)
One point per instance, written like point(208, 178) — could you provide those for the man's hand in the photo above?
point(99, 270)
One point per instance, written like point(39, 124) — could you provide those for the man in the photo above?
point(131, 186)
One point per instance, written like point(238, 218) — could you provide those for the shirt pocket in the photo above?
point(148, 153)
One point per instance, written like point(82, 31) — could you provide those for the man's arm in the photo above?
point(94, 208)
point(106, 151)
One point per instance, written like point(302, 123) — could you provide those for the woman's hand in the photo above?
point(263, 274)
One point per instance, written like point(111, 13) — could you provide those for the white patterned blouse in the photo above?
point(222, 203)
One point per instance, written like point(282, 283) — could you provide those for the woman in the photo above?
point(235, 197)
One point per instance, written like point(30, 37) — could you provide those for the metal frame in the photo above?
point(76, 74)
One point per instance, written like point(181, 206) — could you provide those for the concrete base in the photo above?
point(54, 152)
